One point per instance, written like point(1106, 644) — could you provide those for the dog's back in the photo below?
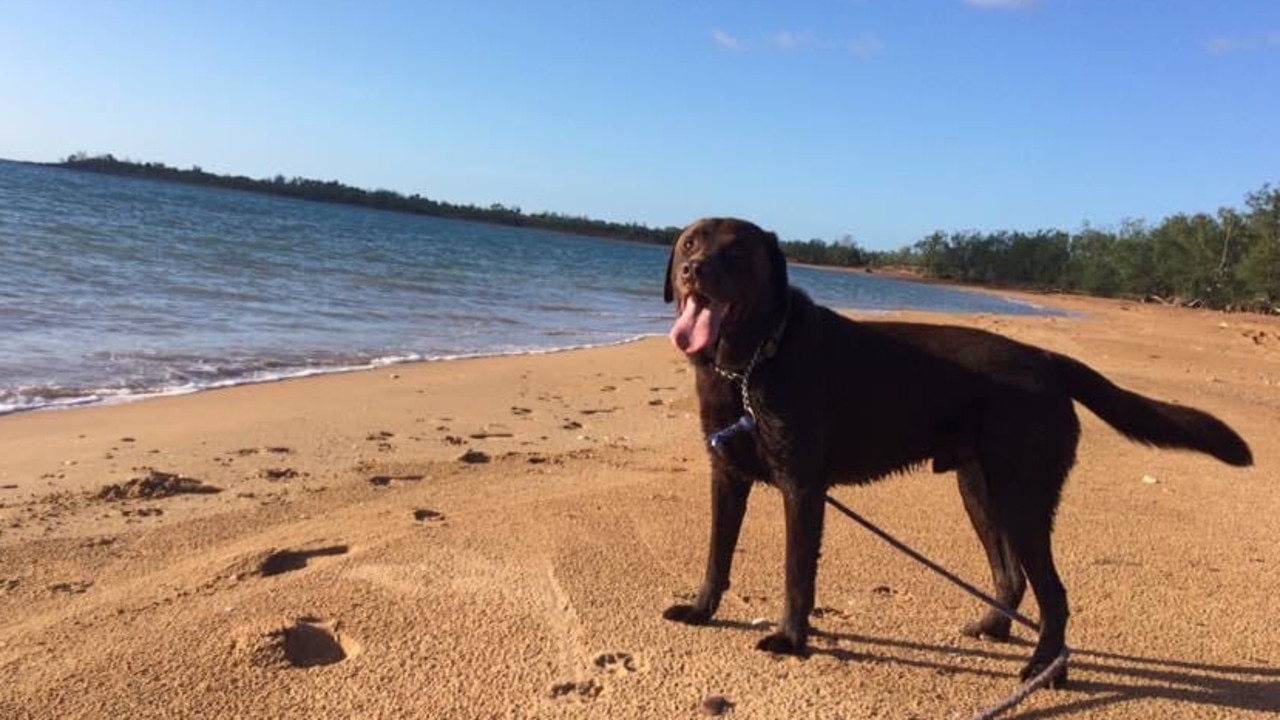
point(902, 393)
point(895, 394)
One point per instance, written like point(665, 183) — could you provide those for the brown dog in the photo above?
point(828, 400)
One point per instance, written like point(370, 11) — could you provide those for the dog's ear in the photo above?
point(778, 266)
point(668, 292)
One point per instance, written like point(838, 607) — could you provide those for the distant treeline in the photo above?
point(1226, 260)
point(332, 191)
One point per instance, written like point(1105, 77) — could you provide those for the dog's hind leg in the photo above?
point(1030, 537)
point(1026, 453)
point(1006, 569)
point(729, 493)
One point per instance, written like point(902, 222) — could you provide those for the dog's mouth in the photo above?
point(697, 326)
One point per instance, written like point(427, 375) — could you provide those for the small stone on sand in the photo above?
point(473, 457)
point(715, 705)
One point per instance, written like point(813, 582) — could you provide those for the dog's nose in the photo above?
point(690, 269)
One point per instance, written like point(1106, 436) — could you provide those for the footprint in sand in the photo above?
point(283, 561)
point(73, 587)
point(830, 613)
point(609, 663)
point(425, 516)
point(383, 438)
point(581, 690)
point(884, 592)
point(266, 450)
point(617, 663)
point(385, 480)
point(474, 457)
point(311, 642)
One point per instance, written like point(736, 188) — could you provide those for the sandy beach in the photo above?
point(498, 538)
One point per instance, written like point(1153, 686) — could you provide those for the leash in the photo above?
point(1043, 678)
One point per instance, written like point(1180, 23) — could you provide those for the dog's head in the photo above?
point(729, 281)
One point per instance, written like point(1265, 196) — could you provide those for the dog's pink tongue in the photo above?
point(696, 327)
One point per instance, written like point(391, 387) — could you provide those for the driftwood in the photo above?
point(1261, 306)
point(1174, 301)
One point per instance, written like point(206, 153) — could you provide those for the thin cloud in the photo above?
point(865, 46)
point(1001, 4)
point(789, 41)
point(1221, 45)
point(725, 40)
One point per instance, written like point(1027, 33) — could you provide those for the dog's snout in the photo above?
point(691, 269)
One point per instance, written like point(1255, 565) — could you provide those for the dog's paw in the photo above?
point(1037, 666)
point(687, 614)
point(991, 627)
point(780, 644)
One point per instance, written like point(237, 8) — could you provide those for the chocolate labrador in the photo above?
point(794, 395)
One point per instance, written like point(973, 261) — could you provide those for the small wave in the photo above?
point(59, 398)
point(864, 310)
point(1037, 307)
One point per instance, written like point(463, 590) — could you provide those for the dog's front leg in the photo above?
point(804, 513)
point(729, 493)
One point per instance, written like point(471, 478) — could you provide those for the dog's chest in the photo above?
point(743, 457)
point(731, 438)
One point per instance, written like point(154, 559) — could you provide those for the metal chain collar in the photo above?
point(743, 379)
point(767, 348)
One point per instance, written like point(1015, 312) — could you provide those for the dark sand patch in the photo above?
point(155, 485)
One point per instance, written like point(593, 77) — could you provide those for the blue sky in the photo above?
point(881, 119)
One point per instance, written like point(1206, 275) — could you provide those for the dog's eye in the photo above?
point(688, 244)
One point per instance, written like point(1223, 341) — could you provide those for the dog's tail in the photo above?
point(1152, 422)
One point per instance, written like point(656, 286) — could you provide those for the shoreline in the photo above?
point(497, 538)
point(112, 397)
point(72, 399)
point(1032, 299)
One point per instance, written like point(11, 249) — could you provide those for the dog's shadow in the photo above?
point(1129, 677)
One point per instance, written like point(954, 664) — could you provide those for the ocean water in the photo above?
point(117, 288)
